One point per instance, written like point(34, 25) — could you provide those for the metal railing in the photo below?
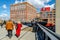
point(52, 35)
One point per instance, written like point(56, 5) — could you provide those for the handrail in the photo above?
point(55, 34)
point(49, 33)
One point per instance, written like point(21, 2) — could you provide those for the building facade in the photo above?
point(48, 16)
point(24, 12)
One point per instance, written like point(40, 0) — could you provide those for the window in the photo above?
point(46, 15)
point(50, 16)
point(50, 19)
point(12, 7)
point(22, 6)
point(15, 7)
point(54, 19)
point(18, 7)
point(54, 16)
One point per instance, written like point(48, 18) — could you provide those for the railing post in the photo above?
point(36, 37)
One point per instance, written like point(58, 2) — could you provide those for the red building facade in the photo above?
point(24, 12)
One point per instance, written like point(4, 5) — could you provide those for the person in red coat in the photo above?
point(18, 29)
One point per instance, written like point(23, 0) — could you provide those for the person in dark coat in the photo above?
point(34, 22)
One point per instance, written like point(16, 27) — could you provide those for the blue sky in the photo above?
point(5, 5)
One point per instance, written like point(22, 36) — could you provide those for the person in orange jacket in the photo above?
point(9, 28)
point(18, 29)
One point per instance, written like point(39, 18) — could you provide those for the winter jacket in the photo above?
point(9, 25)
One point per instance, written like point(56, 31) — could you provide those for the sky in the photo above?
point(5, 5)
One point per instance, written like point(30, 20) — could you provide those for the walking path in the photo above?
point(26, 34)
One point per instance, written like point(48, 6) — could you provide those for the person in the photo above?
point(1, 25)
point(9, 28)
point(18, 29)
point(34, 25)
point(4, 22)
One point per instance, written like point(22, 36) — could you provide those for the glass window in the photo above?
point(50, 15)
point(53, 16)
point(54, 19)
point(12, 8)
point(50, 19)
point(22, 7)
point(15, 8)
point(46, 15)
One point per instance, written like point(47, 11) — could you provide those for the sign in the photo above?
point(47, 8)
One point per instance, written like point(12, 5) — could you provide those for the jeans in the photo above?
point(10, 33)
point(40, 35)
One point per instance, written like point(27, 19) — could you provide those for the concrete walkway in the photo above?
point(28, 36)
point(25, 35)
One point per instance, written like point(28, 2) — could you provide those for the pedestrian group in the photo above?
point(10, 26)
